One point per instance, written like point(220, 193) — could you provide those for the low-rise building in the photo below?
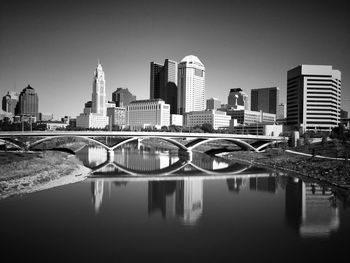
point(153, 113)
point(251, 117)
point(176, 119)
point(218, 119)
point(117, 117)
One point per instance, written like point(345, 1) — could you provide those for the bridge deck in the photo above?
point(8, 134)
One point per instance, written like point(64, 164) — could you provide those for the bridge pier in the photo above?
point(185, 155)
point(110, 155)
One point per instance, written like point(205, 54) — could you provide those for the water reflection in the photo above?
point(310, 209)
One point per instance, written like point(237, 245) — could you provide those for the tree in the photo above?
point(207, 127)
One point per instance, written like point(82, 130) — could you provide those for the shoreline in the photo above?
point(38, 178)
point(331, 172)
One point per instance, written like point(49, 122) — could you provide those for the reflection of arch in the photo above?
point(65, 136)
point(240, 143)
point(9, 141)
point(172, 141)
point(175, 167)
point(266, 144)
point(161, 172)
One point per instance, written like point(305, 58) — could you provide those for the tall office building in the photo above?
point(28, 102)
point(122, 97)
point(213, 104)
point(265, 99)
point(99, 91)
point(237, 97)
point(191, 85)
point(163, 83)
point(10, 102)
point(94, 115)
point(313, 97)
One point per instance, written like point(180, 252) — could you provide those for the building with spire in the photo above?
point(191, 85)
point(96, 117)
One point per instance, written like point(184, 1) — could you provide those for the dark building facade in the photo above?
point(163, 83)
point(10, 102)
point(240, 96)
point(122, 97)
point(265, 99)
point(28, 102)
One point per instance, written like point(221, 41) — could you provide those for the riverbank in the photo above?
point(27, 172)
point(333, 172)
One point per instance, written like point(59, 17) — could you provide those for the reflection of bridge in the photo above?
point(246, 142)
point(172, 169)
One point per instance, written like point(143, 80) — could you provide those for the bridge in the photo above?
point(255, 143)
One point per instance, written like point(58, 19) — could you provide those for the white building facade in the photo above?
point(95, 117)
point(191, 85)
point(218, 119)
point(313, 97)
point(153, 113)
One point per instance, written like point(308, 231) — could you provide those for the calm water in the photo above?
point(225, 212)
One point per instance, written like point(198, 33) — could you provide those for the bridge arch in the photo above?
point(69, 136)
point(238, 142)
point(11, 143)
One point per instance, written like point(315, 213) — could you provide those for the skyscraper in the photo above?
point(10, 102)
point(265, 99)
point(242, 98)
point(94, 115)
point(99, 91)
point(28, 102)
point(313, 97)
point(191, 85)
point(163, 83)
point(122, 97)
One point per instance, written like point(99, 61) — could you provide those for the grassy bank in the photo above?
point(22, 172)
point(333, 172)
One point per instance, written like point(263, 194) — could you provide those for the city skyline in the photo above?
point(54, 47)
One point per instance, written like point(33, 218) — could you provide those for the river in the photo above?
point(150, 205)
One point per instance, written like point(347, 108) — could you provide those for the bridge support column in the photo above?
point(138, 143)
point(110, 155)
point(185, 155)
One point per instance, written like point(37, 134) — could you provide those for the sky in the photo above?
point(54, 46)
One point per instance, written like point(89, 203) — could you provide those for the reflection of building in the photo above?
point(313, 97)
point(310, 210)
point(189, 200)
point(183, 198)
point(263, 183)
point(92, 156)
point(97, 193)
point(161, 196)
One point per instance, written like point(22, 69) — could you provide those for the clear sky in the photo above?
point(54, 45)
